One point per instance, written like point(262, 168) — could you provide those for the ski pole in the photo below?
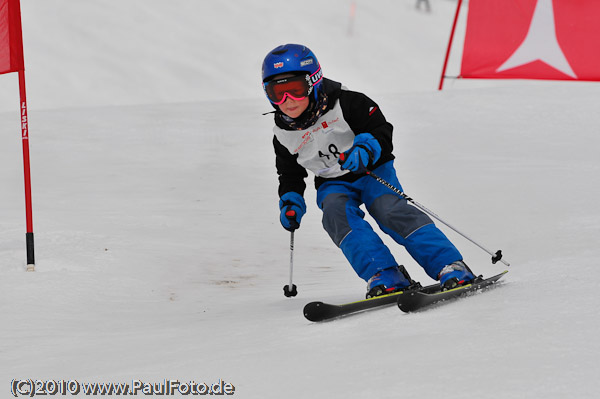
point(290, 289)
point(497, 256)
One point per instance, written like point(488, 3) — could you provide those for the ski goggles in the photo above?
point(295, 87)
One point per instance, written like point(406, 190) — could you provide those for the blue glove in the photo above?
point(292, 207)
point(365, 151)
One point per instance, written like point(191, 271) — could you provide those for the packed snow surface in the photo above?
point(159, 253)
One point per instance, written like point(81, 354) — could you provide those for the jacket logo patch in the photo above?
point(372, 110)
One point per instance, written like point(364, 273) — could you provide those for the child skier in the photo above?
point(316, 121)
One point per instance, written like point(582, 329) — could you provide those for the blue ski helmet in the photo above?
point(296, 59)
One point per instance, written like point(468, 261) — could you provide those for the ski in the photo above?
point(320, 311)
point(408, 301)
point(416, 300)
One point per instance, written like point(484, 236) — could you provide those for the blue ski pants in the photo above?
point(408, 226)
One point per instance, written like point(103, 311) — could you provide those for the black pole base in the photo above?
point(288, 293)
point(30, 252)
point(497, 256)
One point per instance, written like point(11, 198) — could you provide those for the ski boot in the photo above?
point(454, 275)
point(387, 281)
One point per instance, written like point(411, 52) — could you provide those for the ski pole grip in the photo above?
point(290, 214)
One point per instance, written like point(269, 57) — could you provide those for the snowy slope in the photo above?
point(159, 251)
point(103, 52)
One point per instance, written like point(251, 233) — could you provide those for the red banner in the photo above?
point(532, 39)
point(11, 38)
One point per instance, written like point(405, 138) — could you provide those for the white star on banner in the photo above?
point(540, 43)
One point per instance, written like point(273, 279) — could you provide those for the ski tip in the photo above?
point(313, 311)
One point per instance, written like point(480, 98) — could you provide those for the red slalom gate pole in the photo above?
point(449, 45)
point(27, 174)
